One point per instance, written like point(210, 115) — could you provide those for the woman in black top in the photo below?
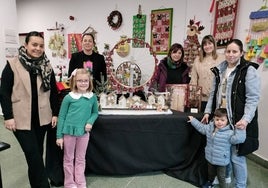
point(89, 59)
point(28, 95)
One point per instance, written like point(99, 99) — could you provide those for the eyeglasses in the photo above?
point(82, 81)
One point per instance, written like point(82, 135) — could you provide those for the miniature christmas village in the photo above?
point(179, 97)
point(111, 101)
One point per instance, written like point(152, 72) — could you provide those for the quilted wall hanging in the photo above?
point(224, 22)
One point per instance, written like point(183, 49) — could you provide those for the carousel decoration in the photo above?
point(115, 19)
point(128, 68)
point(129, 77)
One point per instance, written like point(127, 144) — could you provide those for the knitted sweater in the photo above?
point(201, 74)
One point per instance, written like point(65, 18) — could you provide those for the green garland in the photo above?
point(110, 19)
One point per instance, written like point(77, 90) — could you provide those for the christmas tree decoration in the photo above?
point(101, 87)
point(73, 45)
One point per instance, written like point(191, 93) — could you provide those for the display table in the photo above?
point(126, 145)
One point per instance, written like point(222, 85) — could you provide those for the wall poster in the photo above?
point(161, 29)
point(224, 23)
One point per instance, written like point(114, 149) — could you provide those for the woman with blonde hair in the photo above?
point(200, 73)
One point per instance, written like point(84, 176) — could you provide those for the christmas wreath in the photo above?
point(115, 19)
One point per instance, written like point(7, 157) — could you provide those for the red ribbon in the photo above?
point(212, 6)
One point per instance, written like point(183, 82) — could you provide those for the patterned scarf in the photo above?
point(39, 66)
point(173, 65)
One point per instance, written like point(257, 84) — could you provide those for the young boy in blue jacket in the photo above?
point(220, 136)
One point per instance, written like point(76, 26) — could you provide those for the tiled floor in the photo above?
point(14, 172)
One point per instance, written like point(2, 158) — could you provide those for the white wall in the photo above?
point(7, 7)
point(94, 14)
point(40, 15)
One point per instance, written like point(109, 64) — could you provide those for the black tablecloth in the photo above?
point(126, 145)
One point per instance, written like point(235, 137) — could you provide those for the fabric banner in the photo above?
point(224, 23)
point(161, 30)
point(139, 24)
point(257, 38)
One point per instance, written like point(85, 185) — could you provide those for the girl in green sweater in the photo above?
point(78, 112)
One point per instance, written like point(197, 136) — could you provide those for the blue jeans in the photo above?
point(239, 168)
point(228, 171)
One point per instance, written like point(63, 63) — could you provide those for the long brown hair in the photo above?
point(205, 40)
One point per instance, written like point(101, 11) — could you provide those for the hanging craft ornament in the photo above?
point(115, 19)
point(123, 47)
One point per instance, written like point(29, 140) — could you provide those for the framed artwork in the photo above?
point(184, 97)
point(74, 43)
point(161, 29)
point(224, 22)
point(194, 98)
point(178, 96)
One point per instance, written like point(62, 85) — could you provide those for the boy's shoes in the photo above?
point(208, 185)
point(227, 180)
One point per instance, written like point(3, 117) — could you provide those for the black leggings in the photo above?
point(31, 142)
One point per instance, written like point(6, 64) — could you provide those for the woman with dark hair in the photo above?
point(28, 95)
point(236, 87)
point(89, 59)
point(200, 73)
point(171, 70)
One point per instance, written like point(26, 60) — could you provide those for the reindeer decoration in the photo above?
point(191, 44)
